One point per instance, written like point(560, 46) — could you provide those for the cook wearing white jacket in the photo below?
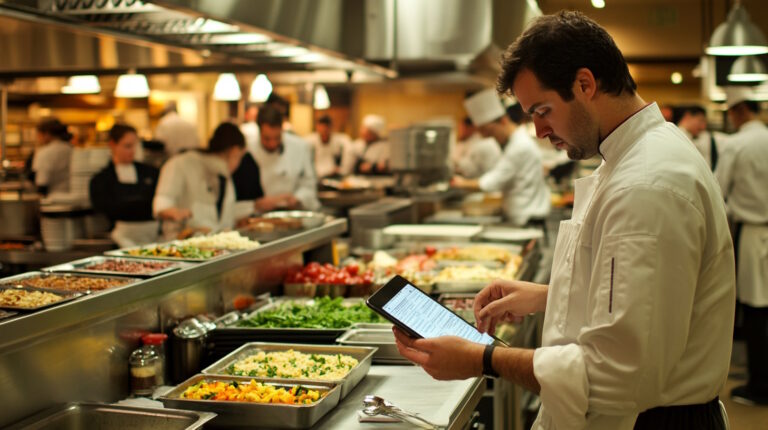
point(475, 155)
point(195, 191)
point(743, 175)
point(285, 164)
point(639, 309)
point(518, 173)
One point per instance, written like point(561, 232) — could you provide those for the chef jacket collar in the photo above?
point(216, 165)
point(613, 147)
point(754, 124)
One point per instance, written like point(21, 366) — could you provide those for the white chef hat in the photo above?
point(484, 107)
point(735, 95)
point(376, 124)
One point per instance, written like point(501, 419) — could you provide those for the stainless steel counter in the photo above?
point(446, 403)
point(79, 351)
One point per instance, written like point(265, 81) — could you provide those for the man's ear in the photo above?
point(585, 83)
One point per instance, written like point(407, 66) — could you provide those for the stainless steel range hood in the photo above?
point(60, 29)
point(385, 37)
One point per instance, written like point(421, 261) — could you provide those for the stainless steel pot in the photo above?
point(19, 216)
point(187, 349)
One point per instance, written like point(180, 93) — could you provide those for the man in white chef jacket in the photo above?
point(328, 147)
point(372, 147)
point(743, 177)
point(475, 155)
point(639, 309)
point(285, 165)
point(518, 173)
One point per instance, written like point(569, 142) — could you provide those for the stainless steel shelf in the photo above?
point(108, 303)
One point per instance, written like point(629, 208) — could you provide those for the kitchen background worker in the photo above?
point(743, 177)
point(285, 164)
point(639, 309)
point(476, 154)
point(692, 121)
point(176, 133)
point(50, 163)
point(518, 173)
point(328, 147)
point(124, 191)
point(373, 147)
point(195, 192)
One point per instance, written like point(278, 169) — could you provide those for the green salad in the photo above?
point(175, 252)
point(324, 313)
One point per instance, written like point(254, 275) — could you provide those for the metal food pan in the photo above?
point(19, 280)
point(461, 286)
point(248, 415)
point(66, 296)
point(102, 416)
point(125, 252)
point(491, 264)
point(383, 339)
point(363, 355)
point(80, 266)
point(276, 334)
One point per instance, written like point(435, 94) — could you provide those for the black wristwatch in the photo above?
point(488, 362)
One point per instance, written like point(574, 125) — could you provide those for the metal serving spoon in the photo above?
point(375, 405)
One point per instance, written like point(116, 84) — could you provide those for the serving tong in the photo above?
point(375, 405)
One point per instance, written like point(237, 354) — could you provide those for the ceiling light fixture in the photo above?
point(321, 99)
point(132, 86)
point(599, 4)
point(676, 78)
point(737, 36)
point(261, 88)
point(227, 88)
point(748, 69)
point(82, 84)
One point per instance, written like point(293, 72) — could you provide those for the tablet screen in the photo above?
point(428, 318)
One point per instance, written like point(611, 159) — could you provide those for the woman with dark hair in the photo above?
point(124, 190)
point(50, 164)
point(195, 190)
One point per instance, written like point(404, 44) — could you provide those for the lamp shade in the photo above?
point(227, 88)
point(748, 69)
point(132, 85)
point(321, 100)
point(261, 88)
point(82, 84)
point(737, 36)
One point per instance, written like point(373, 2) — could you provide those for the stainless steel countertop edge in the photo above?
point(60, 318)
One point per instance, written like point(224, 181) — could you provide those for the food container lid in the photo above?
point(190, 329)
point(154, 338)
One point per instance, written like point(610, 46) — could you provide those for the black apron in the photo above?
point(704, 416)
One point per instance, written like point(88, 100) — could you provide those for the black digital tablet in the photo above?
point(420, 315)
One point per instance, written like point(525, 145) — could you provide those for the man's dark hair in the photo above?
point(269, 115)
point(119, 131)
point(282, 104)
point(226, 136)
point(54, 127)
point(678, 112)
point(752, 106)
point(516, 114)
point(325, 119)
point(468, 121)
point(556, 46)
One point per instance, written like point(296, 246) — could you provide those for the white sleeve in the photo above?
point(639, 306)
point(170, 187)
point(727, 155)
point(306, 190)
point(499, 177)
point(349, 157)
point(42, 164)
